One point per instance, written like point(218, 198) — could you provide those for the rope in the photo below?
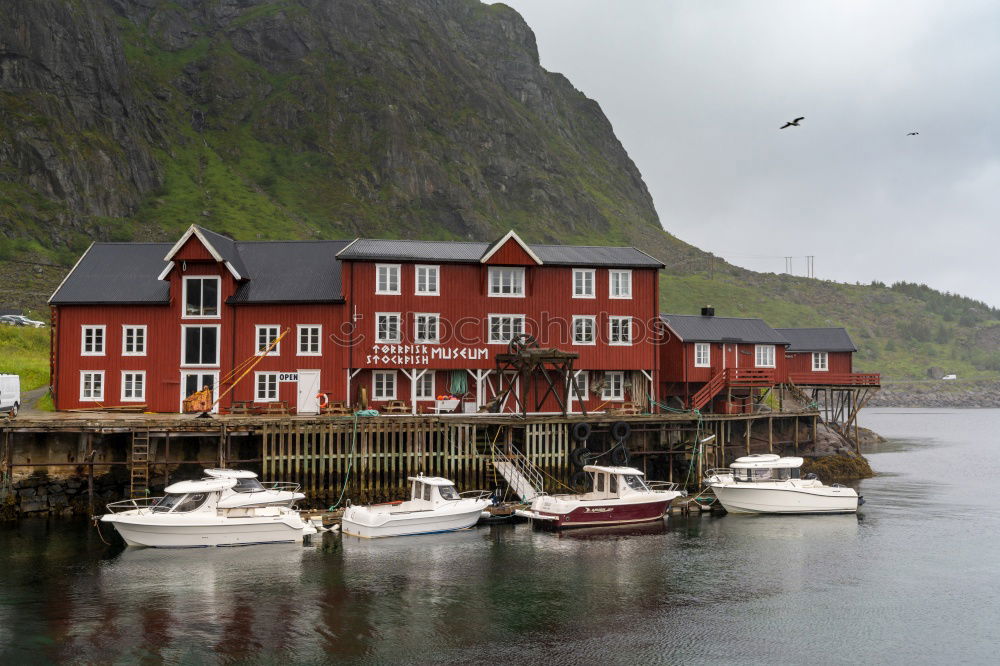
point(350, 459)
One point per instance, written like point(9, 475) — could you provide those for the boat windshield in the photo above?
point(448, 492)
point(765, 474)
point(248, 485)
point(167, 502)
point(635, 482)
point(191, 502)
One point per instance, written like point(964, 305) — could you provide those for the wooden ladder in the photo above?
point(139, 468)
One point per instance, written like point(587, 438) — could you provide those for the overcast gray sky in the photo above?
point(696, 91)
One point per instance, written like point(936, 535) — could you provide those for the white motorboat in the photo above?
point(768, 483)
point(620, 496)
point(434, 506)
point(249, 491)
point(191, 515)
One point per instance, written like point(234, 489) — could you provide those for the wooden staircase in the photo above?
point(732, 378)
point(139, 464)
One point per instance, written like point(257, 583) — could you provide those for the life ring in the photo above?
point(580, 456)
point(324, 400)
point(620, 430)
point(619, 455)
point(581, 431)
point(579, 479)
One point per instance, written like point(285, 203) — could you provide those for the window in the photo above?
point(425, 328)
point(92, 386)
point(93, 341)
point(503, 328)
point(191, 502)
point(583, 283)
point(583, 330)
point(266, 335)
point(425, 386)
point(449, 493)
point(614, 386)
point(621, 331)
point(201, 345)
point(133, 386)
point(580, 378)
point(821, 361)
point(387, 278)
point(620, 284)
point(427, 281)
point(201, 296)
point(505, 281)
point(384, 385)
point(764, 356)
point(309, 340)
point(133, 340)
point(267, 387)
point(386, 327)
point(702, 355)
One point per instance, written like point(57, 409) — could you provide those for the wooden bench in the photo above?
point(337, 409)
point(625, 409)
point(276, 407)
point(396, 407)
point(242, 407)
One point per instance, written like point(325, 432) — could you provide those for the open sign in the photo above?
point(288, 376)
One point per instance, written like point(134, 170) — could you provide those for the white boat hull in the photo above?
point(154, 531)
point(372, 523)
point(752, 498)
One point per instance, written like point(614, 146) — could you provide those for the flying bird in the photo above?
point(793, 123)
point(912, 133)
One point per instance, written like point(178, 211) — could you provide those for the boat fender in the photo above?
point(324, 400)
point(620, 430)
point(579, 479)
point(581, 431)
point(580, 456)
point(619, 455)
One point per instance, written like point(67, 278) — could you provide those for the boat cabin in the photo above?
point(432, 490)
point(608, 482)
point(246, 481)
point(765, 467)
point(188, 496)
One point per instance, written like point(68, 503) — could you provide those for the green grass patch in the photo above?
point(25, 352)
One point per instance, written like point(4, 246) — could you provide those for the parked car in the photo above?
point(10, 394)
point(8, 320)
point(20, 320)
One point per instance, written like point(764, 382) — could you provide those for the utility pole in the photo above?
point(811, 265)
point(788, 265)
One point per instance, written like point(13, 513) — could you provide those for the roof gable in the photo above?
point(510, 250)
point(221, 249)
point(699, 328)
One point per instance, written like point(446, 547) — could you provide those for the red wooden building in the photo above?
point(717, 363)
point(822, 357)
point(151, 323)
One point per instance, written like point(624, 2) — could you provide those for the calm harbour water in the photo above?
point(913, 579)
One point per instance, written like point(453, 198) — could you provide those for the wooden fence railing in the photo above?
point(835, 379)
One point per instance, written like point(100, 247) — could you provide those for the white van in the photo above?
point(10, 394)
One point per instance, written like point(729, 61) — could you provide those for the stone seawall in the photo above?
point(41, 494)
point(939, 393)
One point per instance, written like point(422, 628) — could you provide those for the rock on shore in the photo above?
point(939, 393)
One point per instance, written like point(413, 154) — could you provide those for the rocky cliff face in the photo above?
point(299, 118)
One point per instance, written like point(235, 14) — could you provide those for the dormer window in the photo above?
point(507, 281)
point(201, 297)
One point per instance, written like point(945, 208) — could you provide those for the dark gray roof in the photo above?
point(818, 339)
point(378, 249)
point(117, 273)
point(290, 271)
point(698, 328)
point(226, 247)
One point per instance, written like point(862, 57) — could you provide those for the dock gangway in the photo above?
point(522, 475)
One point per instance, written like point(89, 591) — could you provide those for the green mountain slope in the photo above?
point(131, 119)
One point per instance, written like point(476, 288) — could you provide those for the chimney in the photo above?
point(708, 311)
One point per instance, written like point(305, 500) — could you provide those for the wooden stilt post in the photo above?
point(746, 426)
point(222, 446)
point(815, 425)
point(796, 435)
point(166, 459)
point(90, 473)
point(770, 434)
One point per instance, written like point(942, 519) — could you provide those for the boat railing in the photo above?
point(662, 486)
point(476, 494)
point(132, 504)
point(282, 486)
point(718, 472)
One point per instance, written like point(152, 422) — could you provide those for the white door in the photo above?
point(308, 393)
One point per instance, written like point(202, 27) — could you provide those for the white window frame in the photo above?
point(428, 376)
point(299, 329)
point(766, 350)
point(83, 339)
point(378, 328)
point(390, 268)
point(611, 330)
point(593, 329)
point(824, 366)
point(395, 385)
point(134, 398)
point(258, 347)
point(593, 282)
point(517, 271)
point(612, 394)
point(218, 297)
point(83, 382)
point(489, 327)
point(579, 375)
point(265, 396)
point(125, 333)
point(429, 268)
point(218, 345)
point(416, 328)
point(611, 283)
point(705, 347)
